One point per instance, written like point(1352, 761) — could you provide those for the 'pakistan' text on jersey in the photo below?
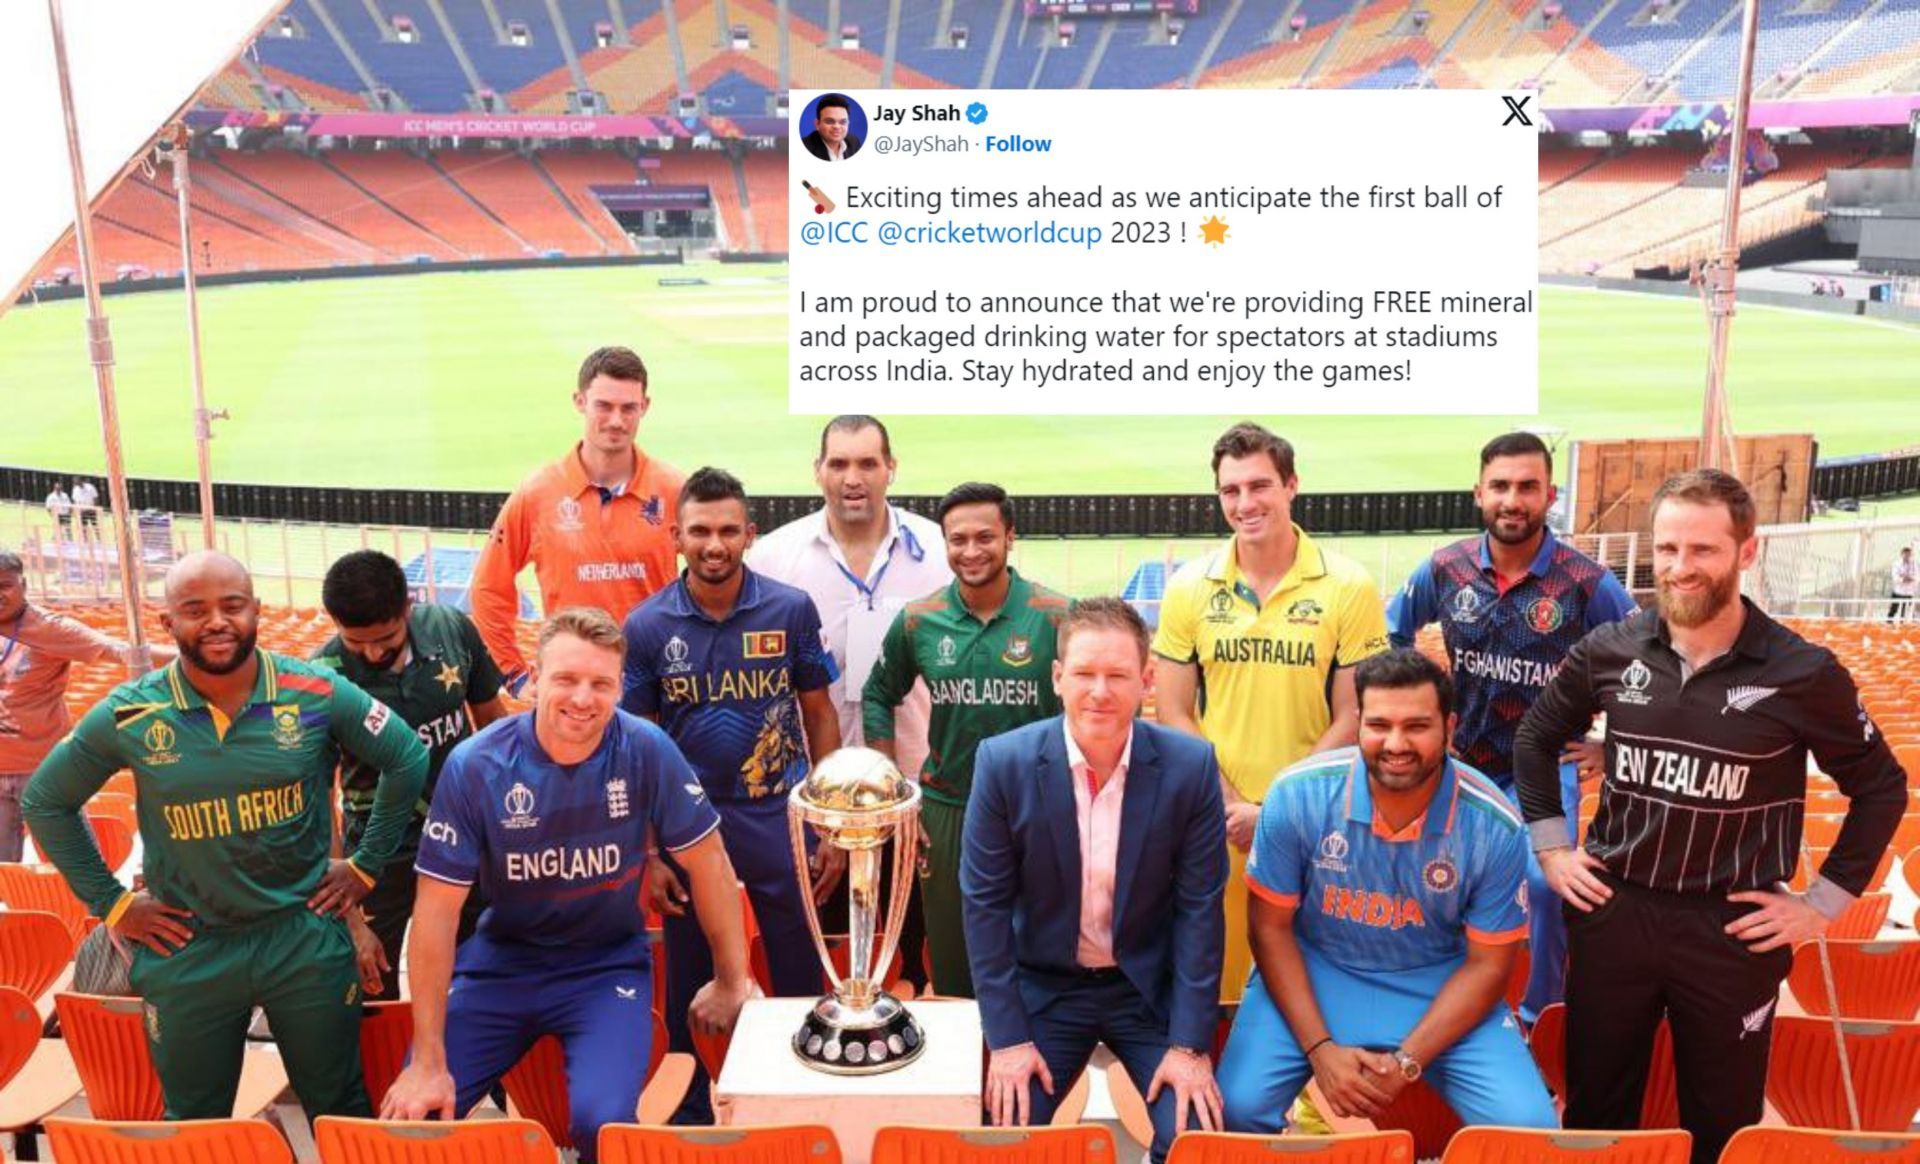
point(235, 816)
point(1505, 640)
point(985, 678)
point(1373, 900)
point(447, 669)
point(558, 850)
point(728, 691)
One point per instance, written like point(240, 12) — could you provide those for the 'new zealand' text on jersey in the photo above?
point(447, 668)
point(728, 691)
point(1504, 642)
point(985, 678)
point(1373, 900)
point(1706, 773)
point(558, 850)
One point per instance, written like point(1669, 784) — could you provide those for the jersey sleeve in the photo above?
point(1496, 912)
point(681, 814)
point(1416, 605)
point(54, 802)
point(484, 679)
point(1610, 601)
point(370, 730)
point(494, 591)
point(1176, 637)
point(1363, 622)
point(1848, 747)
point(892, 677)
point(639, 682)
point(67, 638)
point(1277, 864)
point(1561, 712)
point(813, 666)
point(453, 843)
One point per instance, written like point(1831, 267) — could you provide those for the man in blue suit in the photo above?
point(1093, 867)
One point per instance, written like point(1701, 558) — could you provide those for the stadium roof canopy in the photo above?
point(135, 65)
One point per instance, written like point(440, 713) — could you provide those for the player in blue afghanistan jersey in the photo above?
point(1387, 901)
point(732, 665)
point(549, 813)
point(1511, 603)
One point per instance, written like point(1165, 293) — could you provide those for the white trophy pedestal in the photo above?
point(764, 1082)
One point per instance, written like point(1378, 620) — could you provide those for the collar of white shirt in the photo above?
point(1077, 760)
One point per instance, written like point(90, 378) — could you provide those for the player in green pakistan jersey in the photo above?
point(233, 752)
point(426, 663)
point(985, 646)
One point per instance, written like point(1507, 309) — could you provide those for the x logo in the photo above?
point(1518, 110)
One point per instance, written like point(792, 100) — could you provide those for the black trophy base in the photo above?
point(842, 1040)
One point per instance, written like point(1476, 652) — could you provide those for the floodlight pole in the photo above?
point(179, 139)
point(1717, 450)
point(100, 353)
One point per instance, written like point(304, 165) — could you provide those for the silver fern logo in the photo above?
point(1754, 1023)
point(1743, 698)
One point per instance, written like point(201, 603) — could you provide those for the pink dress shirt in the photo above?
point(1098, 817)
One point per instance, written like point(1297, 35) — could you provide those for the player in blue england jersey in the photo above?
point(549, 814)
point(1511, 603)
point(1386, 904)
point(732, 665)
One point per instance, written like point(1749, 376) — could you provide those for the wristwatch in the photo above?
point(1409, 1066)
point(1193, 1051)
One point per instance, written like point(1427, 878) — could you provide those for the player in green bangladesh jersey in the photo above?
point(233, 751)
point(985, 646)
point(428, 664)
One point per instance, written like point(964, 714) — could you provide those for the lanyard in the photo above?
point(914, 551)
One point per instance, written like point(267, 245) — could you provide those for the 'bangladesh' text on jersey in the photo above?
point(558, 850)
point(727, 691)
point(1505, 642)
point(1374, 900)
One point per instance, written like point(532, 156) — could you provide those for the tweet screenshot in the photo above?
point(1163, 251)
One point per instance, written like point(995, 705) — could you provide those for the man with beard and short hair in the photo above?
point(233, 752)
point(427, 663)
point(1511, 603)
point(1677, 906)
point(985, 645)
point(1388, 902)
point(732, 665)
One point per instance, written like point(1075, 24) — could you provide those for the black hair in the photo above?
point(364, 588)
point(976, 493)
point(1398, 670)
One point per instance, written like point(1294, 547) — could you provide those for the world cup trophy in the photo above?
point(856, 800)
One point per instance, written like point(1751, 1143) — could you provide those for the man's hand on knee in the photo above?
point(419, 1093)
point(1008, 1074)
point(1190, 1074)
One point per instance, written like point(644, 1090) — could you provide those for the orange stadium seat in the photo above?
point(1862, 919)
point(1352, 1148)
point(1803, 1074)
point(114, 838)
point(386, 1035)
point(34, 948)
point(108, 1040)
point(19, 1032)
point(509, 187)
point(40, 887)
point(1659, 1105)
point(773, 1144)
point(1545, 1146)
point(1420, 1111)
point(182, 1142)
point(1819, 1146)
point(354, 1141)
point(1079, 1144)
point(1872, 979)
point(111, 801)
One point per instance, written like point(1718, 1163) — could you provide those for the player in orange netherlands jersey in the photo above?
point(596, 524)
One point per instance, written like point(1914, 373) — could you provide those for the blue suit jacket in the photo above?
point(1020, 875)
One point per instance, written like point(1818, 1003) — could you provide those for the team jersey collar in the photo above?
point(574, 472)
point(1437, 822)
point(684, 606)
point(1308, 564)
point(1752, 640)
point(1541, 563)
point(1017, 593)
point(266, 684)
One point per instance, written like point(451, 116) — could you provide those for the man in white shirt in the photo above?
point(86, 504)
point(60, 505)
point(861, 560)
point(1906, 585)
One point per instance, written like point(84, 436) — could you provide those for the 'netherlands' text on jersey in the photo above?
point(1373, 900)
point(1506, 638)
point(728, 691)
point(558, 850)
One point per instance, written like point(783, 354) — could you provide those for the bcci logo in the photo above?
point(947, 653)
point(1019, 651)
point(1305, 612)
point(286, 727)
point(676, 656)
point(1441, 875)
point(566, 515)
point(1333, 853)
point(1634, 681)
point(519, 801)
point(1466, 606)
point(616, 798)
point(159, 739)
point(1545, 616)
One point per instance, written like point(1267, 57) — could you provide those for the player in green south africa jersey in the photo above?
point(985, 646)
point(233, 752)
point(428, 664)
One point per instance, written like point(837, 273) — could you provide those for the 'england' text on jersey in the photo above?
point(1680, 773)
point(769, 683)
point(1504, 668)
point(564, 863)
point(974, 691)
point(1281, 652)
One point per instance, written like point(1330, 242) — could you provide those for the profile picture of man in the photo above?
point(838, 126)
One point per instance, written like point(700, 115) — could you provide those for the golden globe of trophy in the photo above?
point(856, 800)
